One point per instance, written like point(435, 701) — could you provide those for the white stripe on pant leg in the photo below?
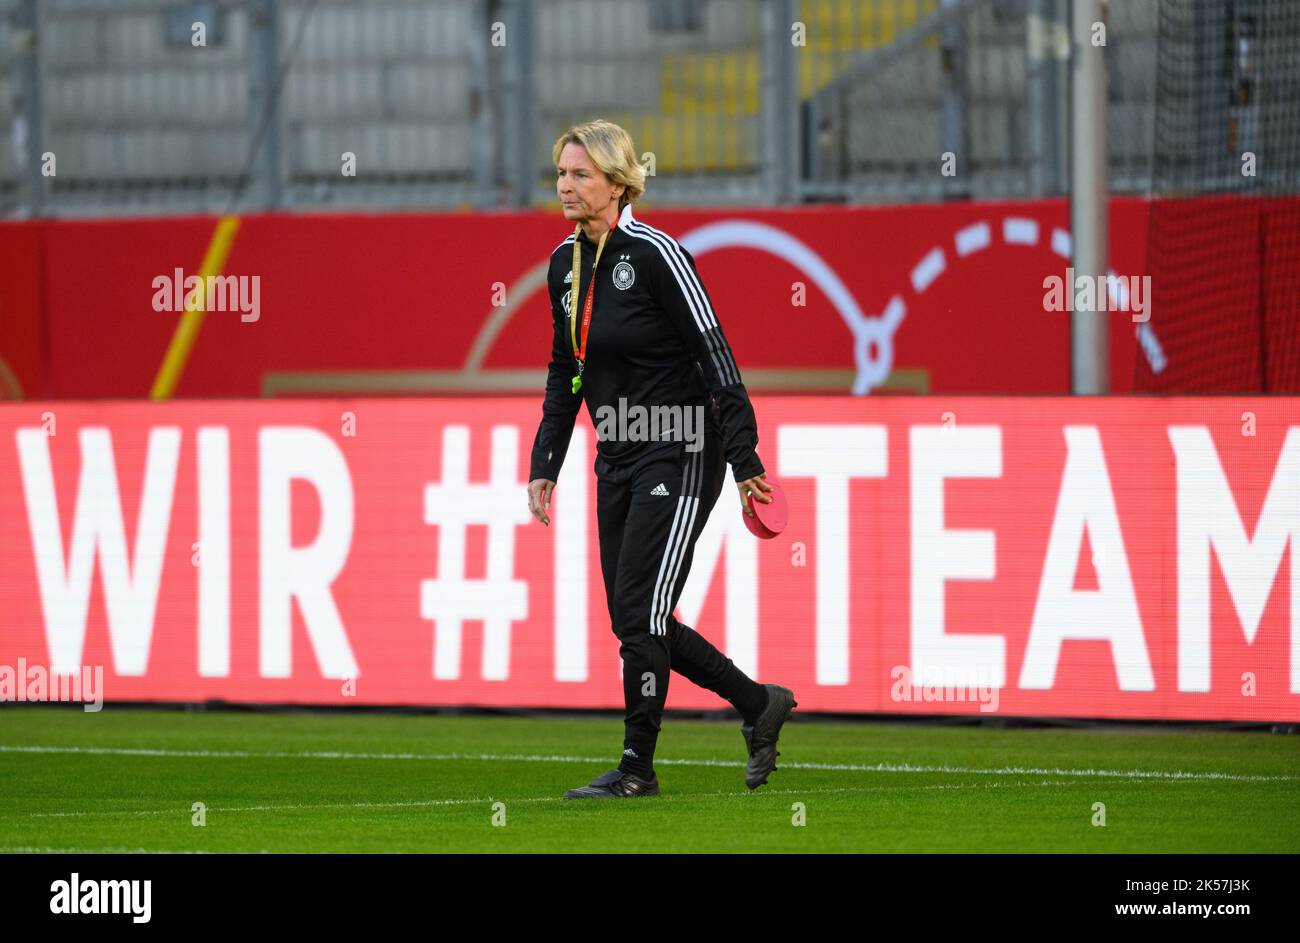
point(677, 564)
point(690, 490)
point(656, 600)
point(663, 563)
point(681, 555)
point(674, 536)
point(690, 487)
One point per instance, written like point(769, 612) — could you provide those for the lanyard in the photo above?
point(580, 353)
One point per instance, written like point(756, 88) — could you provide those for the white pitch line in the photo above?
point(24, 850)
point(289, 808)
point(550, 758)
point(425, 803)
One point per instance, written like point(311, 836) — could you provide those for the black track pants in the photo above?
point(649, 517)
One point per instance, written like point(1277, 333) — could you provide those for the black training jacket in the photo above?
point(654, 339)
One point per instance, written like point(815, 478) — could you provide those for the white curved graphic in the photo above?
point(873, 334)
point(866, 329)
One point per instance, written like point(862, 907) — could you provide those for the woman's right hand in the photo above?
point(539, 498)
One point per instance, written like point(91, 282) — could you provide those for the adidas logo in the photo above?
point(568, 277)
point(632, 753)
point(659, 489)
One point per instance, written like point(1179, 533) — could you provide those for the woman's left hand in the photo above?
point(756, 486)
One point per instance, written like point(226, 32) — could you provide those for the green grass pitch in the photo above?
point(128, 779)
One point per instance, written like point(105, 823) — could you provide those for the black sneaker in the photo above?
point(760, 739)
point(616, 784)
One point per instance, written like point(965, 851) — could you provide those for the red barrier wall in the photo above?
point(942, 298)
point(23, 349)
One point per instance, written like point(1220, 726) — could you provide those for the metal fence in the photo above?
point(161, 106)
point(972, 101)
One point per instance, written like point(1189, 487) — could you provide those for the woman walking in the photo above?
point(636, 336)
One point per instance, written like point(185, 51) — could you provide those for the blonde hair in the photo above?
point(610, 148)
